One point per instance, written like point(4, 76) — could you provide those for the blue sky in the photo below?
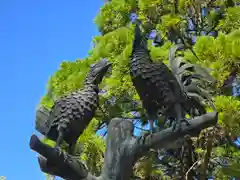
point(35, 36)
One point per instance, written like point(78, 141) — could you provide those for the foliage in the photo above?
point(113, 16)
point(222, 57)
point(119, 98)
point(93, 148)
point(232, 170)
point(50, 177)
point(232, 20)
point(146, 167)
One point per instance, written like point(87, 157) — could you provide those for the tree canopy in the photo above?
point(210, 28)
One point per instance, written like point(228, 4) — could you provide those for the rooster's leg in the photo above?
point(179, 118)
point(59, 139)
point(151, 125)
point(71, 148)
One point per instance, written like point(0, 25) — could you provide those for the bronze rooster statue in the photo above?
point(72, 113)
point(161, 90)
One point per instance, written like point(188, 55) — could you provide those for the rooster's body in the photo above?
point(71, 114)
point(159, 89)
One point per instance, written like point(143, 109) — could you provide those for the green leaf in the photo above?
point(232, 170)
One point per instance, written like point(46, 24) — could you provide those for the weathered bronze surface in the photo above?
point(72, 113)
point(159, 89)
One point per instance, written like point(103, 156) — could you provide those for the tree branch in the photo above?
point(166, 137)
point(55, 162)
point(118, 159)
point(207, 157)
point(194, 164)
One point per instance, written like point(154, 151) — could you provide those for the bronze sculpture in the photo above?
point(159, 89)
point(72, 113)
